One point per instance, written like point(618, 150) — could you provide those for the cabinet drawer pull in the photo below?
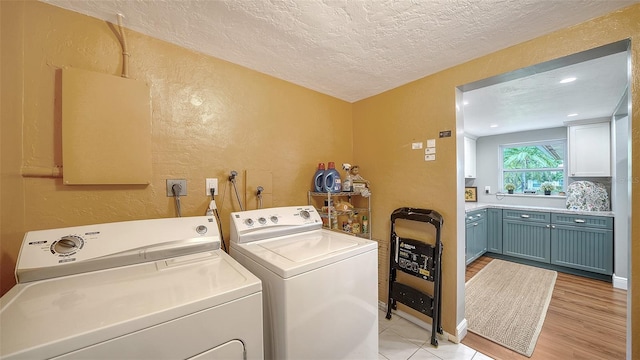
point(579, 221)
point(525, 216)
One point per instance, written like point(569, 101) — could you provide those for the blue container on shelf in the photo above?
point(332, 182)
point(318, 178)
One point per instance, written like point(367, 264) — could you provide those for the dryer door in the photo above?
point(231, 350)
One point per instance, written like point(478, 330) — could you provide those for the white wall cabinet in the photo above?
point(469, 158)
point(590, 150)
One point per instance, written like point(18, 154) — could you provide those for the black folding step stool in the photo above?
point(419, 259)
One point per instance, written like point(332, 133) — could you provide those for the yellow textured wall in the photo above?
point(209, 117)
point(387, 124)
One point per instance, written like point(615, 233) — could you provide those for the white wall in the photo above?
point(487, 160)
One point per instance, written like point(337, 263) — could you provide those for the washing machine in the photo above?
point(320, 287)
point(148, 289)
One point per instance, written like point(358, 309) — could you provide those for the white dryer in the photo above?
point(320, 288)
point(148, 289)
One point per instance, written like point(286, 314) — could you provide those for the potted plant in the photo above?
point(547, 187)
point(509, 187)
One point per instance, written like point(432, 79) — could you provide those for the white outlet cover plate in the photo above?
point(211, 183)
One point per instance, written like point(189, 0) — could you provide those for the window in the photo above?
point(528, 165)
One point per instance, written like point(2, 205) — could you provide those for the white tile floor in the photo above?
point(401, 339)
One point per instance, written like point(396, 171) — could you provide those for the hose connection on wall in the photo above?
point(259, 191)
point(232, 178)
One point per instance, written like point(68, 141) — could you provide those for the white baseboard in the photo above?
point(619, 282)
point(461, 331)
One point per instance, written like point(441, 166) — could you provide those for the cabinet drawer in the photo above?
point(530, 216)
point(599, 222)
point(475, 216)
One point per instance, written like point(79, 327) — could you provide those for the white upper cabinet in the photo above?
point(469, 158)
point(590, 150)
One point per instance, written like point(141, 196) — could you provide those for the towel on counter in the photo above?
point(587, 196)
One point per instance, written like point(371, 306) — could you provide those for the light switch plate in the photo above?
point(430, 157)
point(431, 143)
point(416, 145)
point(430, 150)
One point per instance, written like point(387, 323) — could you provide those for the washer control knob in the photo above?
point(67, 244)
point(201, 229)
point(305, 214)
point(249, 222)
point(262, 220)
point(274, 219)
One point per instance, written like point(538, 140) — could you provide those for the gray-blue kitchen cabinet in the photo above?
point(582, 242)
point(525, 234)
point(475, 235)
point(494, 230)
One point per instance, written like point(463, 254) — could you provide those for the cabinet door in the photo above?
point(527, 240)
point(469, 158)
point(588, 249)
point(469, 237)
point(481, 238)
point(494, 230)
point(476, 240)
point(590, 150)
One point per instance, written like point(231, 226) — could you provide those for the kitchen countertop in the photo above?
point(471, 206)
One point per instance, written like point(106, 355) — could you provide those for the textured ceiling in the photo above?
point(349, 49)
point(353, 49)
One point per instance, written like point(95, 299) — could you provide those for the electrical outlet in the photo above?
point(210, 183)
point(183, 187)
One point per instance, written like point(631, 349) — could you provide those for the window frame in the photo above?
point(502, 170)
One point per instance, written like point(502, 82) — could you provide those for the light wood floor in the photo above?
point(586, 320)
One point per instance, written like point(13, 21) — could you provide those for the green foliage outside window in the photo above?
point(527, 166)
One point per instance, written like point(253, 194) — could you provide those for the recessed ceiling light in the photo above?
point(567, 80)
point(493, 125)
point(572, 115)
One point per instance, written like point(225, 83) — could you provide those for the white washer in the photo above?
point(320, 287)
point(148, 289)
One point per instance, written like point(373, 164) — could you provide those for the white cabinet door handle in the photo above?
point(579, 221)
point(525, 216)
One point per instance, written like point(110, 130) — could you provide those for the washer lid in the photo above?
point(292, 255)
point(44, 319)
point(315, 246)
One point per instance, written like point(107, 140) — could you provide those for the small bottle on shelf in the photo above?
point(365, 224)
